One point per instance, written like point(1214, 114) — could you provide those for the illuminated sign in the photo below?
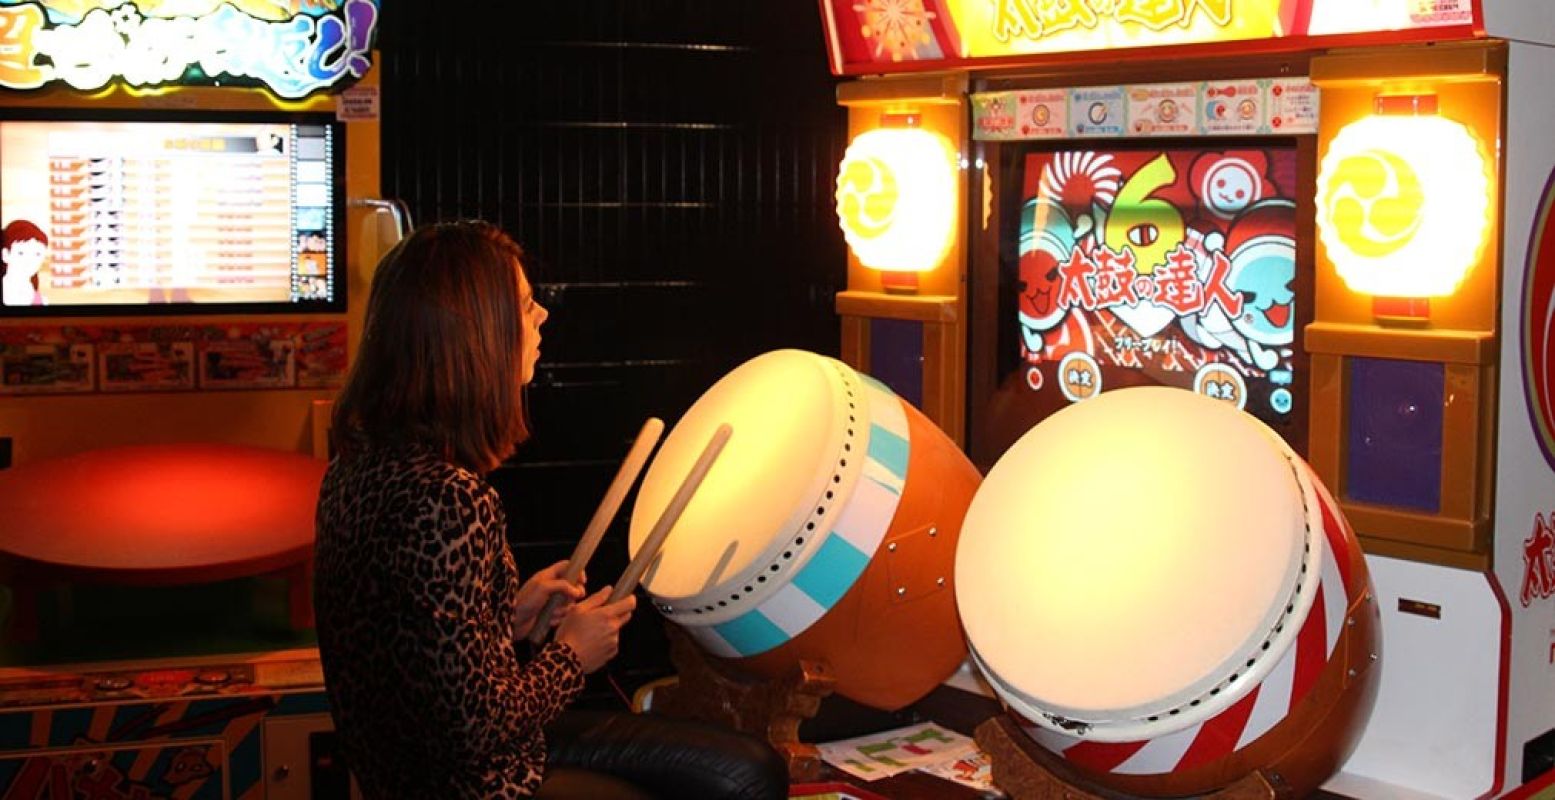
point(212, 42)
point(1037, 19)
point(1403, 205)
point(866, 34)
point(896, 198)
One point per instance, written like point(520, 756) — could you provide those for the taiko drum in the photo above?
point(1165, 596)
point(825, 530)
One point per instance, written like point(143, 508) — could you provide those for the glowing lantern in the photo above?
point(896, 198)
point(1403, 205)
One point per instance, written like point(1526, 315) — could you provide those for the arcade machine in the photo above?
point(187, 223)
point(1333, 215)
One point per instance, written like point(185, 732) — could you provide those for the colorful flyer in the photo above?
point(887, 753)
point(321, 355)
point(1232, 107)
point(1043, 113)
point(1163, 109)
point(993, 116)
point(146, 366)
point(249, 356)
point(1097, 111)
point(973, 770)
point(1293, 106)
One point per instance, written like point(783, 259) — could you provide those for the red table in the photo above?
point(158, 516)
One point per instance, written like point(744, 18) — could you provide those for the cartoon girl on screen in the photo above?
point(23, 250)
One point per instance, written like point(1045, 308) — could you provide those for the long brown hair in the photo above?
point(20, 231)
point(439, 363)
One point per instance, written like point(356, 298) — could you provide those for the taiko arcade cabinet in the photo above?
point(1334, 215)
point(187, 223)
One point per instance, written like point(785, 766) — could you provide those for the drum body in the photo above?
point(826, 530)
point(1215, 621)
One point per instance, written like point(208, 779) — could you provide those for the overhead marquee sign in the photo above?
point(866, 36)
point(291, 47)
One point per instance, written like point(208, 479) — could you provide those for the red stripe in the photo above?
point(944, 30)
point(1217, 737)
point(1311, 649)
point(1501, 691)
point(1301, 18)
point(1333, 530)
point(1102, 756)
point(850, 36)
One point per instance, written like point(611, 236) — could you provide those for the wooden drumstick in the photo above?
point(625, 477)
point(661, 529)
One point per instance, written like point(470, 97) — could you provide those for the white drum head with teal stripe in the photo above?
point(791, 512)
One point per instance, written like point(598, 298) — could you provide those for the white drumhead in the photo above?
point(790, 447)
point(1126, 555)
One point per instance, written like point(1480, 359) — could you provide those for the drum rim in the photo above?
point(788, 552)
point(1160, 719)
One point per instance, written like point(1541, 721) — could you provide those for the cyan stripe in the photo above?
point(889, 449)
point(831, 571)
point(751, 633)
point(893, 489)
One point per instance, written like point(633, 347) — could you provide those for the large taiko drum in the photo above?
point(1164, 595)
point(825, 530)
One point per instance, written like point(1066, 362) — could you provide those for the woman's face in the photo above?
point(531, 316)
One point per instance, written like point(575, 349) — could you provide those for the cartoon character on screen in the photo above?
point(1175, 259)
point(1047, 237)
point(1060, 221)
point(1092, 238)
point(24, 249)
point(1224, 185)
point(1260, 246)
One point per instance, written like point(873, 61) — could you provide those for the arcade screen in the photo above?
point(1126, 265)
point(191, 215)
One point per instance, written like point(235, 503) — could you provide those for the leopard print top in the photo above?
point(413, 592)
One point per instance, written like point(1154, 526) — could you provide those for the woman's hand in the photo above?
point(593, 628)
point(539, 588)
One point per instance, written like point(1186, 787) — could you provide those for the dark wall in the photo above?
point(668, 165)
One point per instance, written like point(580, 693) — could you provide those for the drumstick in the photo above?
point(608, 505)
point(661, 529)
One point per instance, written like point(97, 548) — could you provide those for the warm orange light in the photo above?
point(896, 198)
point(1403, 205)
point(170, 510)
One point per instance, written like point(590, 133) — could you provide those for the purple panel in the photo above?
point(1395, 433)
point(896, 357)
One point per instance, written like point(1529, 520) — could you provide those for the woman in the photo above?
point(420, 609)
point(24, 248)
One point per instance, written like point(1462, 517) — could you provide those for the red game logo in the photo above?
point(1538, 328)
point(1538, 563)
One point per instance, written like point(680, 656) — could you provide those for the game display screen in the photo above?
point(1125, 265)
point(182, 215)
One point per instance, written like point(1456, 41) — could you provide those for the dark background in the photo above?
point(668, 165)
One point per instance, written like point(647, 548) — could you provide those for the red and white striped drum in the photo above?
point(826, 529)
point(1164, 594)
